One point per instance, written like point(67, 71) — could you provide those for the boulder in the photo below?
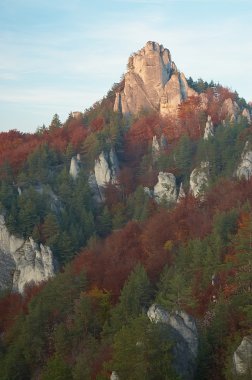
point(152, 82)
point(199, 179)
point(244, 170)
point(165, 189)
point(242, 358)
point(23, 261)
point(209, 128)
point(183, 332)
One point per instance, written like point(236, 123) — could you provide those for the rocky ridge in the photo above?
point(152, 82)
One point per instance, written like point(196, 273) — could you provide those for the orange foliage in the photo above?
point(190, 116)
point(15, 146)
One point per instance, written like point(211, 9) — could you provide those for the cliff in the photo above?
point(152, 82)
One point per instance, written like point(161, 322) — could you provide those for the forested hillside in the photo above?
point(170, 225)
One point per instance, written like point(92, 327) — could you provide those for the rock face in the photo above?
point(244, 170)
point(106, 170)
point(242, 358)
point(74, 168)
point(209, 129)
point(246, 114)
point(184, 332)
point(152, 82)
point(22, 261)
point(199, 179)
point(166, 189)
point(230, 110)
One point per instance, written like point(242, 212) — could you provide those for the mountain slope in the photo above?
point(147, 207)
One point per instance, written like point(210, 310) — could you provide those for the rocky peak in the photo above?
point(152, 82)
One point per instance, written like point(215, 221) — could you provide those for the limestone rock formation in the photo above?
point(155, 147)
point(199, 179)
point(203, 101)
point(22, 261)
point(165, 189)
point(74, 168)
point(209, 129)
point(152, 82)
point(244, 169)
point(230, 110)
point(106, 170)
point(242, 358)
point(246, 114)
point(184, 333)
point(77, 115)
point(114, 376)
point(181, 194)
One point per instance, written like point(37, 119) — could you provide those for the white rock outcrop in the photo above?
point(106, 170)
point(155, 147)
point(199, 179)
point(152, 82)
point(184, 333)
point(74, 167)
point(230, 110)
point(209, 128)
point(23, 261)
point(242, 358)
point(244, 170)
point(114, 376)
point(181, 194)
point(246, 114)
point(165, 189)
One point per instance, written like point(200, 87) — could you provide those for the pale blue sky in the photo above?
point(58, 56)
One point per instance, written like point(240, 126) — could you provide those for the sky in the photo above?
point(58, 56)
